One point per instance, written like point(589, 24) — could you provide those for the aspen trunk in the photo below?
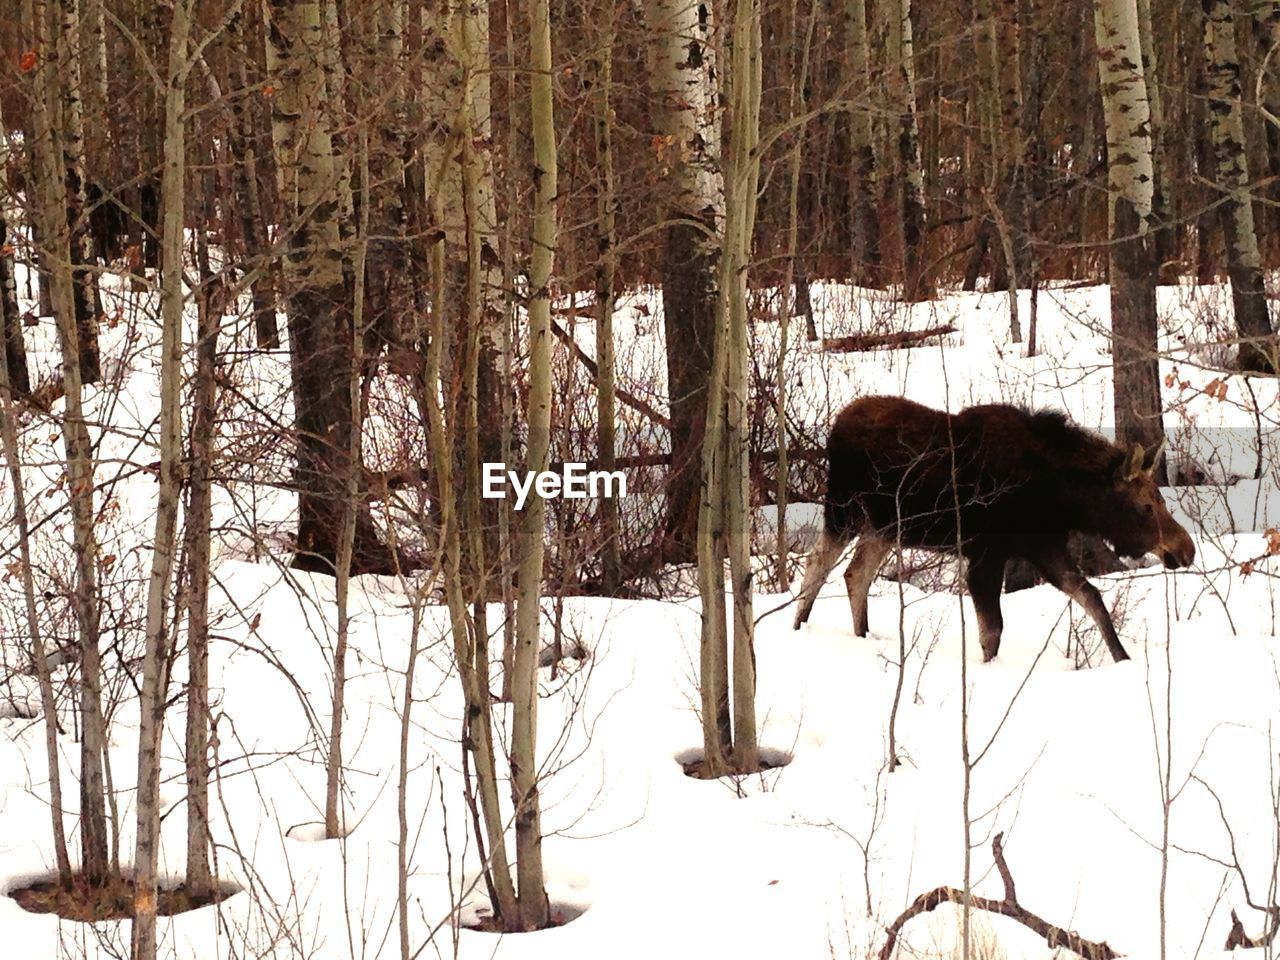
point(524, 687)
point(864, 232)
point(1137, 406)
point(606, 266)
point(10, 388)
point(458, 81)
point(1266, 27)
point(381, 42)
point(13, 349)
point(253, 227)
point(1160, 200)
point(729, 736)
point(477, 735)
point(798, 99)
point(683, 67)
point(334, 820)
point(1244, 263)
point(54, 233)
point(901, 60)
point(156, 657)
point(71, 107)
point(196, 546)
point(328, 52)
point(97, 100)
point(318, 296)
point(739, 229)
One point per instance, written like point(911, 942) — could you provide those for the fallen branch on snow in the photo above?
point(1009, 907)
point(874, 341)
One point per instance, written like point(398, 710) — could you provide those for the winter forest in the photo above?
point(631, 478)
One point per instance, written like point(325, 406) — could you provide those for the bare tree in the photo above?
point(55, 235)
point(1226, 120)
point(534, 911)
point(1130, 174)
point(724, 517)
point(606, 275)
point(310, 177)
point(865, 248)
point(685, 77)
point(163, 551)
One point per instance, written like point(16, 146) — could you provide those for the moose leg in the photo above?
point(860, 574)
point(816, 570)
point(985, 577)
point(1059, 570)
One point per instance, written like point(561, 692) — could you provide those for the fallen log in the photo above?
point(875, 341)
point(1009, 907)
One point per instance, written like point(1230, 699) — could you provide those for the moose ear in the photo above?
point(1132, 465)
point(1152, 457)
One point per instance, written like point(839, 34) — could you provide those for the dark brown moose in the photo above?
point(991, 483)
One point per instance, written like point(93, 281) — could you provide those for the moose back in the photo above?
point(991, 483)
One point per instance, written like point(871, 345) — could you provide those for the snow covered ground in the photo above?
point(1081, 763)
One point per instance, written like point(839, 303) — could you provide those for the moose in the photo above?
point(990, 483)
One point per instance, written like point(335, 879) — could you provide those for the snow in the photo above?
point(1073, 754)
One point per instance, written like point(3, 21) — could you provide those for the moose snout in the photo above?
point(1181, 552)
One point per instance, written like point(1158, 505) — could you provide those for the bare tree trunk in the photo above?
point(86, 287)
point(403, 919)
point(319, 299)
point(713, 673)
point(334, 820)
point(156, 658)
point(901, 69)
point(1244, 263)
point(253, 227)
point(739, 229)
point(458, 81)
point(1266, 27)
point(864, 225)
point(9, 391)
point(1161, 194)
point(724, 524)
point(13, 349)
point(1134, 350)
point(328, 52)
point(534, 912)
point(606, 266)
point(54, 233)
point(97, 99)
point(381, 95)
point(798, 97)
point(998, 49)
point(477, 735)
point(196, 546)
point(685, 81)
